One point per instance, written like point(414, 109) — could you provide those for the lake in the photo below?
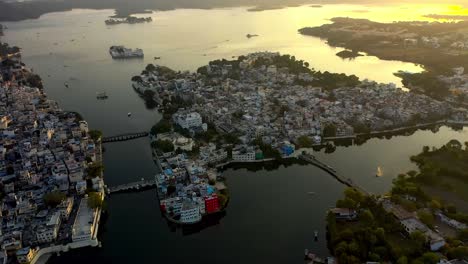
point(271, 217)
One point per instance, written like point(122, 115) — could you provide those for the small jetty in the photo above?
point(124, 137)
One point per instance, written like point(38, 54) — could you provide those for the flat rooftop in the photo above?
point(84, 219)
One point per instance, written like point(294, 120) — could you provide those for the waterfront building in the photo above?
point(212, 204)
point(243, 153)
point(344, 213)
point(85, 221)
point(171, 205)
point(190, 213)
point(25, 255)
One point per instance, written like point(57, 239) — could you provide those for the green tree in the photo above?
point(402, 260)
point(95, 169)
point(95, 200)
point(435, 204)
point(430, 258)
point(426, 217)
point(223, 199)
point(354, 195)
point(304, 142)
point(463, 234)
point(163, 126)
point(150, 67)
point(458, 252)
point(163, 145)
point(426, 149)
point(367, 217)
point(329, 130)
point(95, 134)
point(54, 198)
point(346, 203)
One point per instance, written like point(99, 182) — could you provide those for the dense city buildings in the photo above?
point(277, 99)
point(49, 160)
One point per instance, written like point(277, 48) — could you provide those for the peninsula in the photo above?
point(424, 219)
point(439, 47)
point(52, 187)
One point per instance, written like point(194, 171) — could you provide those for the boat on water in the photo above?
point(379, 172)
point(311, 193)
point(129, 114)
point(157, 58)
point(251, 35)
point(121, 52)
point(101, 96)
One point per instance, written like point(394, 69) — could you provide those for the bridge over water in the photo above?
point(124, 137)
point(346, 181)
point(133, 186)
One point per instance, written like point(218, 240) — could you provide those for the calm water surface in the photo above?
point(270, 218)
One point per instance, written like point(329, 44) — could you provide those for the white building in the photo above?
point(183, 143)
point(412, 225)
point(48, 233)
point(65, 208)
point(189, 120)
point(173, 205)
point(452, 222)
point(80, 187)
point(85, 221)
point(190, 213)
point(244, 154)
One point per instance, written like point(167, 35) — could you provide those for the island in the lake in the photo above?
point(424, 219)
point(348, 54)
point(128, 20)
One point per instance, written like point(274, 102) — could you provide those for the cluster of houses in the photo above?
point(411, 224)
point(458, 85)
point(271, 103)
point(450, 41)
point(44, 153)
point(187, 188)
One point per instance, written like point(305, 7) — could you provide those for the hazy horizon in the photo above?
point(13, 10)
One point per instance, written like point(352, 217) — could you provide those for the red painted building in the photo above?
point(211, 204)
